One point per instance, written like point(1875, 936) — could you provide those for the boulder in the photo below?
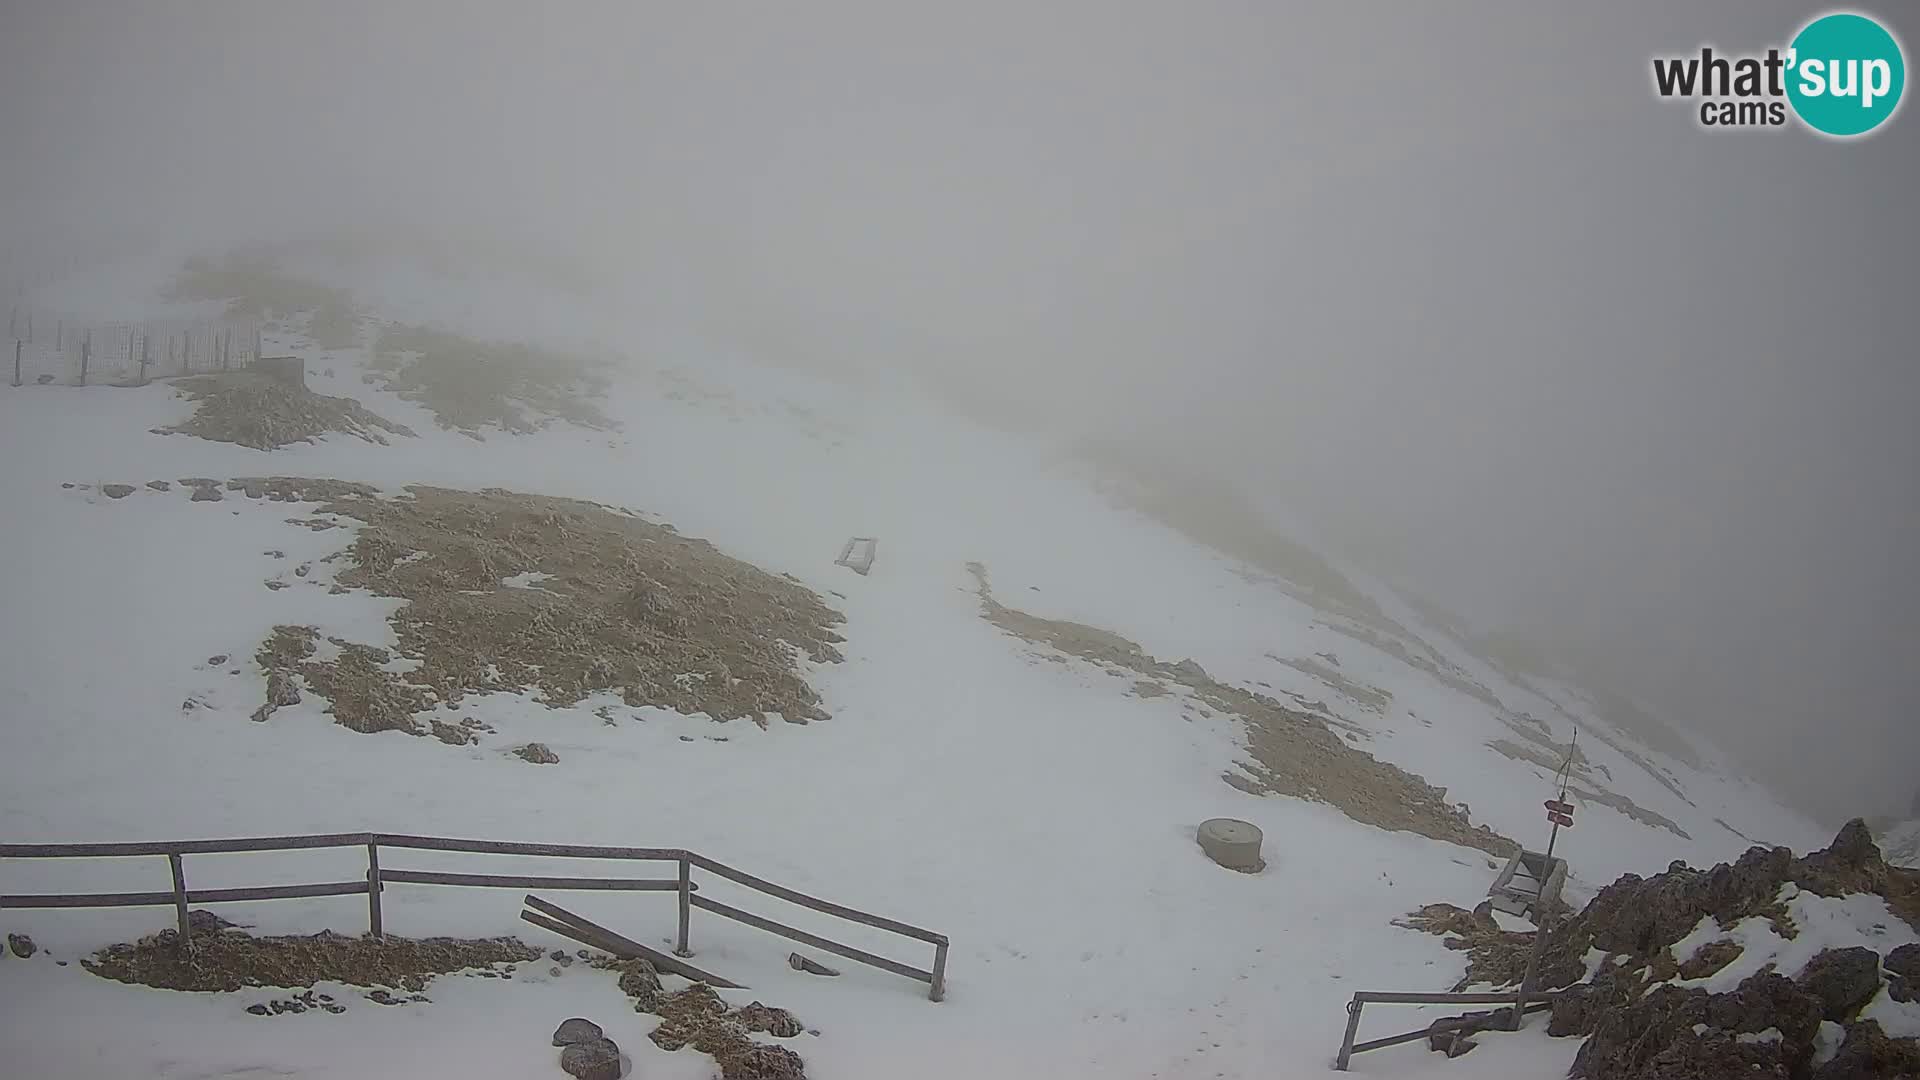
point(159, 485)
point(1843, 980)
point(117, 491)
point(576, 1030)
point(598, 1059)
point(21, 945)
point(207, 494)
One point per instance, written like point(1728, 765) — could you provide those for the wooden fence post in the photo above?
point(186, 350)
point(373, 892)
point(938, 991)
point(256, 344)
point(180, 897)
point(686, 905)
point(146, 355)
point(59, 335)
point(16, 362)
point(86, 354)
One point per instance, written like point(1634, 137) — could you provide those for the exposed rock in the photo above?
point(258, 1010)
point(45, 380)
point(776, 1022)
point(596, 1060)
point(281, 689)
point(757, 1061)
point(116, 491)
point(576, 1030)
point(1578, 1009)
point(1868, 1054)
point(260, 714)
point(159, 485)
point(639, 981)
point(1903, 974)
point(216, 661)
point(21, 945)
point(451, 734)
point(561, 957)
point(207, 494)
point(1710, 958)
point(1843, 980)
point(1190, 668)
point(538, 754)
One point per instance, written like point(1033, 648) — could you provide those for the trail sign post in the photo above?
point(1560, 813)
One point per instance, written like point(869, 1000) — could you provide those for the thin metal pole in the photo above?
point(180, 898)
point(86, 354)
point(686, 906)
point(373, 892)
point(16, 362)
point(1346, 1043)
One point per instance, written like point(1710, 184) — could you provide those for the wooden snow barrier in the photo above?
point(857, 554)
point(378, 877)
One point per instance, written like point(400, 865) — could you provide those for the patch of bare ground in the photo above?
point(608, 601)
point(221, 958)
point(251, 409)
point(255, 287)
point(1293, 753)
point(1593, 792)
point(698, 1017)
point(473, 385)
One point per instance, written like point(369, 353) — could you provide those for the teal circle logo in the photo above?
point(1845, 74)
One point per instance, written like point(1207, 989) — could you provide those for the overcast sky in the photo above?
point(1446, 278)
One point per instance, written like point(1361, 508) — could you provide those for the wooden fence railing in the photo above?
point(180, 897)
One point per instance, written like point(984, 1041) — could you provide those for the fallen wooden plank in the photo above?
point(809, 965)
point(629, 949)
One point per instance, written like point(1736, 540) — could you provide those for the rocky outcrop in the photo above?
point(538, 754)
point(1641, 1026)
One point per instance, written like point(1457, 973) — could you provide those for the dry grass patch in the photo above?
point(472, 385)
point(600, 600)
point(1293, 753)
point(227, 959)
point(251, 409)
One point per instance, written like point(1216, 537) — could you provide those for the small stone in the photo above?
point(584, 954)
point(21, 945)
point(596, 1060)
point(538, 754)
point(159, 485)
point(216, 661)
point(68, 486)
point(301, 570)
point(333, 1008)
point(559, 956)
point(206, 494)
point(554, 971)
point(117, 491)
point(257, 1010)
point(260, 714)
point(576, 1030)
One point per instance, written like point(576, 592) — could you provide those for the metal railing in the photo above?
point(1531, 1002)
point(180, 897)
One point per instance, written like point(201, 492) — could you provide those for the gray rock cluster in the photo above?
point(585, 1051)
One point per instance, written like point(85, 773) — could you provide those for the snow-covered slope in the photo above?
point(1039, 814)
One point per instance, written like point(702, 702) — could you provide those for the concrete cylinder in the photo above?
point(1232, 843)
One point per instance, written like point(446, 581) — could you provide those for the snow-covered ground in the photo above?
point(1036, 813)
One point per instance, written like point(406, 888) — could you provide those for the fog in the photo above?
point(1447, 280)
